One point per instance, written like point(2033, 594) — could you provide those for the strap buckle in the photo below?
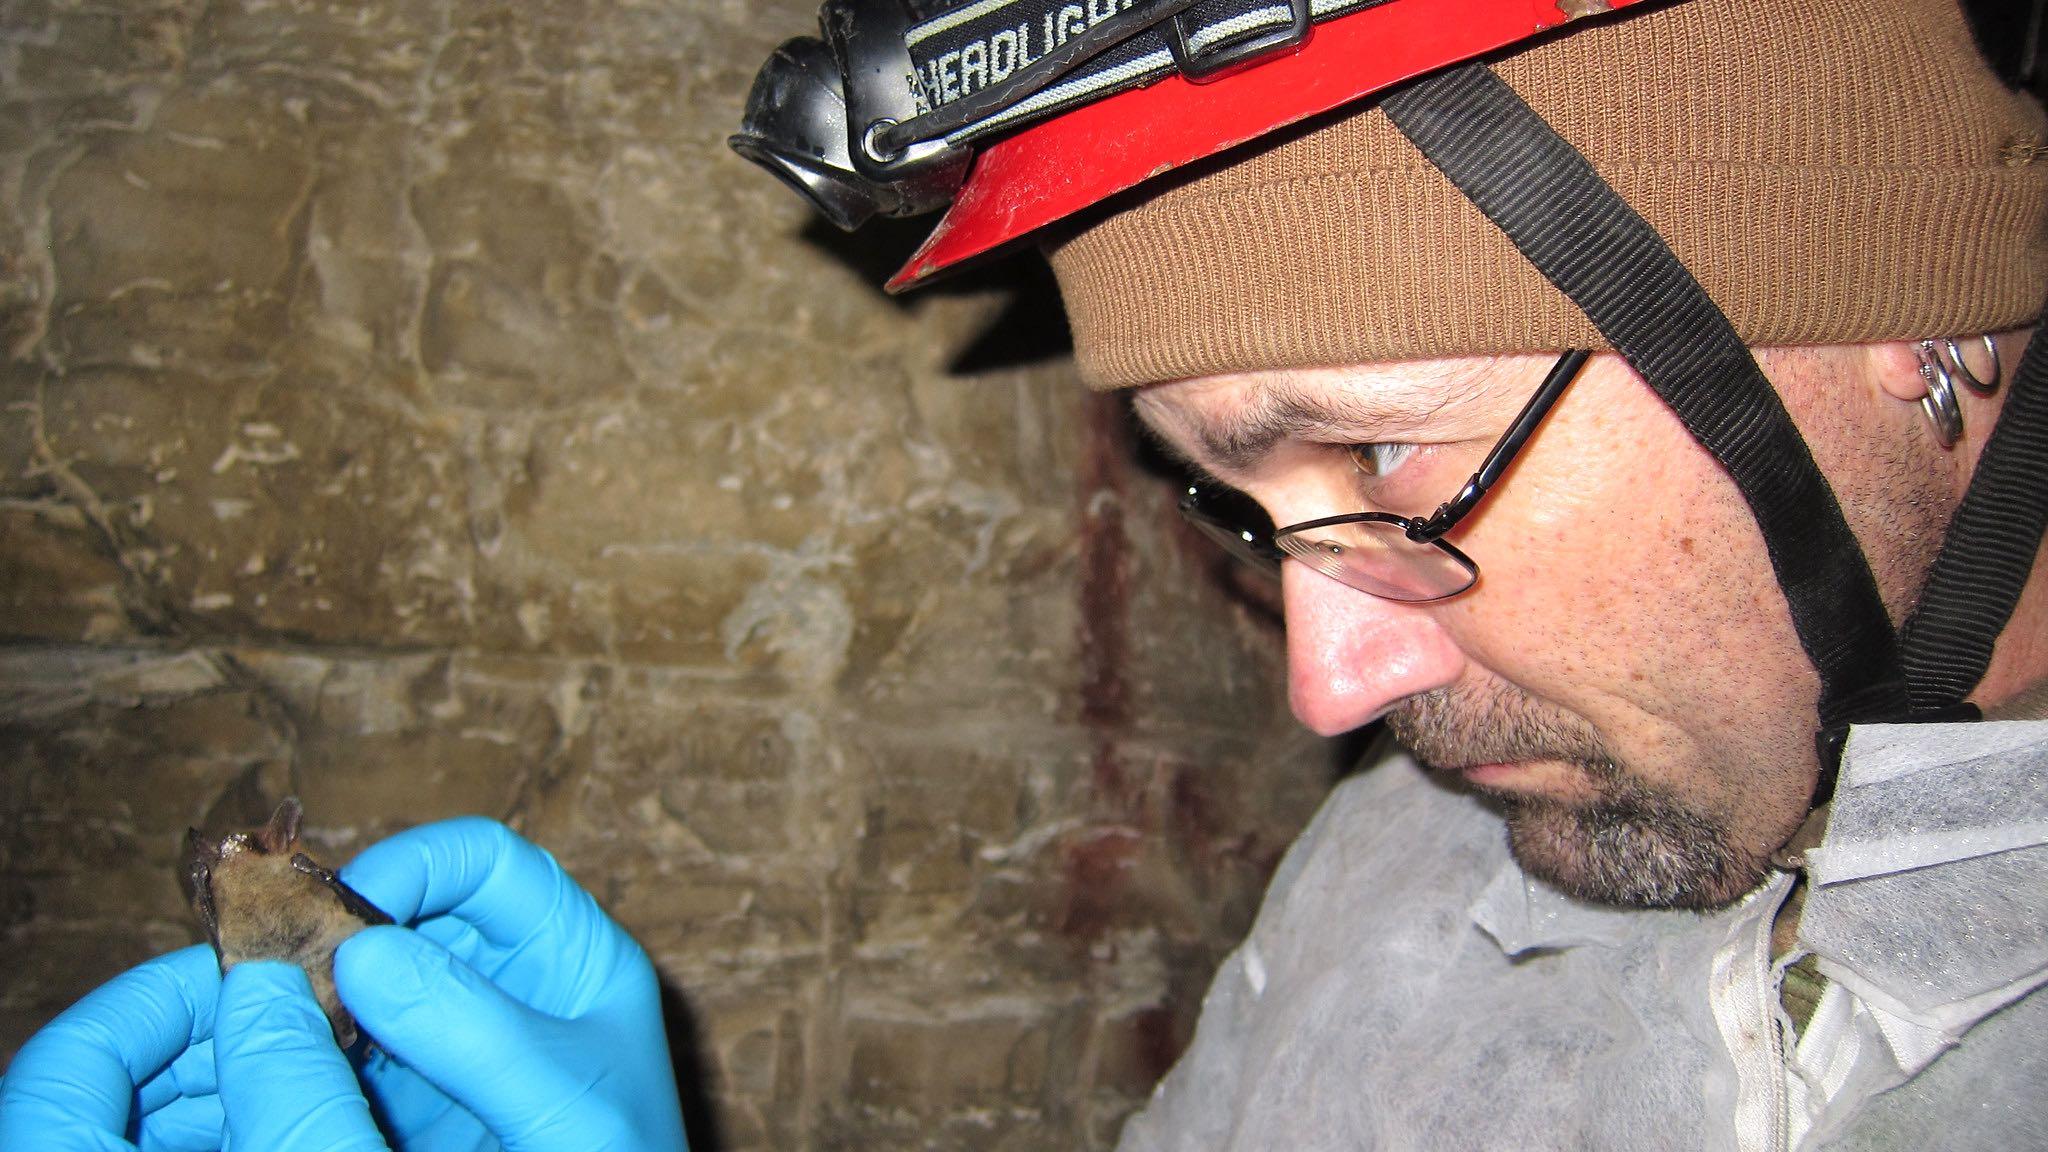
point(1228, 53)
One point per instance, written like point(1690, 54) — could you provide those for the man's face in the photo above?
point(1624, 680)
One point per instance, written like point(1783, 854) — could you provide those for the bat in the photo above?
point(261, 898)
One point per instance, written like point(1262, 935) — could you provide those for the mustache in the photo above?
point(1458, 726)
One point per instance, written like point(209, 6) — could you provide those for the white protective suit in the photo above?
point(1406, 986)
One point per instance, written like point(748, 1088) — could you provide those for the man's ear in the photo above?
point(1896, 365)
point(1896, 368)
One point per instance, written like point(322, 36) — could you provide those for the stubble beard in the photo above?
point(1630, 844)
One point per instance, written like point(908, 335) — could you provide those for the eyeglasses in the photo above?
point(1378, 553)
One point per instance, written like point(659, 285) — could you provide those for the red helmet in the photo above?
point(1051, 169)
point(1022, 112)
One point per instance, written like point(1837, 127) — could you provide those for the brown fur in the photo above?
point(261, 898)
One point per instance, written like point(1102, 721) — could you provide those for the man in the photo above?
point(1637, 605)
point(1326, 325)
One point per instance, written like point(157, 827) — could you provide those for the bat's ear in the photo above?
point(283, 830)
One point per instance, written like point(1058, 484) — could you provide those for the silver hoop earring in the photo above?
point(1940, 402)
point(1959, 367)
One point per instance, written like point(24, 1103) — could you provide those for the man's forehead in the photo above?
point(1233, 421)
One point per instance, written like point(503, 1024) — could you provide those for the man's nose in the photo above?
point(1351, 657)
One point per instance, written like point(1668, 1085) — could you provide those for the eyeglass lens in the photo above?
point(1377, 557)
point(1236, 523)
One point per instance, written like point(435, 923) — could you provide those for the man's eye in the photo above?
point(1380, 459)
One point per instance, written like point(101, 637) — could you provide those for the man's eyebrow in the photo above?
point(1240, 440)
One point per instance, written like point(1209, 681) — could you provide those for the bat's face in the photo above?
point(261, 898)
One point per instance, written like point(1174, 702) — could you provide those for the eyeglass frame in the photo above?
point(1265, 551)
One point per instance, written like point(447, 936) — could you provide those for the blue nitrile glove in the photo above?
point(516, 1001)
point(131, 1061)
point(284, 1086)
point(564, 1052)
point(134, 1065)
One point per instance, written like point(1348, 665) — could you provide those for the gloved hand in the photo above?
point(517, 1016)
point(134, 1065)
point(516, 1005)
point(138, 1041)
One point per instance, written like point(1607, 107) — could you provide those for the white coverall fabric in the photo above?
point(1406, 986)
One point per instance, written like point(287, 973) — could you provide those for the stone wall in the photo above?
point(413, 406)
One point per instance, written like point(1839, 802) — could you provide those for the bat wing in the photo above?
point(352, 900)
point(199, 878)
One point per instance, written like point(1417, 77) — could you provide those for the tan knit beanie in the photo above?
point(1831, 170)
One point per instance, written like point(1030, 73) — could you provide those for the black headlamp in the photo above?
point(878, 116)
point(818, 108)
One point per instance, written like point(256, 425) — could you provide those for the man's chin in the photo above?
point(1577, 817)
point(1628, 854)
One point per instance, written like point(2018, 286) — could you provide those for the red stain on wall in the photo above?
point(1154, 818)
point(1105, 585)
point(1097, 866)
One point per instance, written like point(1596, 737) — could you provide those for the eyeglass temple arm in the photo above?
point(1561, 375)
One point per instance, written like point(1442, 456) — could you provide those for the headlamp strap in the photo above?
point(1599, 252)
point(964, 58)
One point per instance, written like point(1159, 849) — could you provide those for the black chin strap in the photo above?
point(1599, 252)
point(1579, 233)
point(1990, 547)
